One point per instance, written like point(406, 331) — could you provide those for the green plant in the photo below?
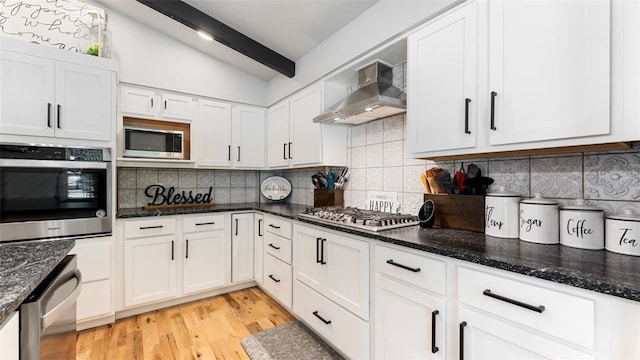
point(93, 50)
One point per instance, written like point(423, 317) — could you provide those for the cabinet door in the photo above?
point(176, 107)
point(307, 264)
point(10, 338)
point(258, 250)
point(306, 136)
point(149, 269)
point(278, 135)
point(404, 327)
point(347, 273)
point(204, 261)
point(26, 95)
point(242, 247)
point(486, 337)
point(248, 134)
point(549, 70)
point(442, 96)
point(214, 133)
point(83, 103)
point(138, 101)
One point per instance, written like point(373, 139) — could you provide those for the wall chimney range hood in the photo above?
point(376, 98)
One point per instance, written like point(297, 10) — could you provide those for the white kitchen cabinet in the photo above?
point(334, 265)
point(94, 262)
point(278, 279)
point(443, 93)
point(258, 250)
point(10, 338)
point(204, 259)
point(295, 140)
point(276, 250)
point(230, 135)
point(44, 97)
point(155, 104)
point(242, 246)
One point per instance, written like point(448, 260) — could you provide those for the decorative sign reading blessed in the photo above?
point(169, 196)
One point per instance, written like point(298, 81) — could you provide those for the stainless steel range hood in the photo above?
point(376, 98)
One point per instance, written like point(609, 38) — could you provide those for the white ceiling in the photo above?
point(289, 27)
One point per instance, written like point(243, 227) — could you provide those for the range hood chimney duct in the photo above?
point(376, 98)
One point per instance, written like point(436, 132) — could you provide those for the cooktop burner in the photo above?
point(359, 218)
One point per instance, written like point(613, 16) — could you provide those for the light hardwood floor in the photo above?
point(206, 329)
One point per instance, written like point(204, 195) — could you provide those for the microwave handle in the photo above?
point(22, 163)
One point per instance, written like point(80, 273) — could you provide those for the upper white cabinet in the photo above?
point(230, 135)
point(43, 96)
point(495, 76)
point(149, 103)
point(295, 140)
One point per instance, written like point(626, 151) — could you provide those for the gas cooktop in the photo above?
point(359, 218)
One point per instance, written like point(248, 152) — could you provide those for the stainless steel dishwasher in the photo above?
point(48, 315)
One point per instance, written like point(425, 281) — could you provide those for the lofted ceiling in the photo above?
point(289, 27)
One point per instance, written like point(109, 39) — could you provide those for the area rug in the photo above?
point(292, 341)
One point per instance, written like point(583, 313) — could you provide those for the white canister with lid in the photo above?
point(539, 220)
point(623, 233)
point(501, 214)
point(582, 226)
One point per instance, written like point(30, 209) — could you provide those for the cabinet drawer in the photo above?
point(278, 226)
point(345, 331)
point(421, 271)
point(277, 279)
point(203, 223)
point(562, 315)
point(142, 228)
point(94, 300)
point(278, 247)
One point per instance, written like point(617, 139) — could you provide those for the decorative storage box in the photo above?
point(465, 212)
point(326, 197)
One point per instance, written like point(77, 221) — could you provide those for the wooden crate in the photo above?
point(464, 212)
point(326, 197)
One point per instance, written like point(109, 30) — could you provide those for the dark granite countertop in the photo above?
point(596, 270)
point(23, 265)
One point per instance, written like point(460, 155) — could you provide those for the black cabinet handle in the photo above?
point(327, 322)
point(462, 326)
point(151, 102)
point(165, 104)
point(290, 150)
point(150, 227)
point(274, 279)
point(318, 259)
point(391, 262)
point(493, 110)
point(259, 227)
point(274, 226)
point(466, 116)
point(434, 348)
point(322, 242)
point(229, 153)
point(238, 153)
point(172, 249)
point(284, 151)
point(207, 223)
point(538, 309)
point(273, 246)
point(48, 115)
point(186, 252)
point(236, 227)
point(58, 114)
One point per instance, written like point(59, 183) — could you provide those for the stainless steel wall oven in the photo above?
point(50, 192)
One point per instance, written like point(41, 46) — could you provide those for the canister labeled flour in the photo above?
point(501, 214)
point(539, 220)
point(582, 226)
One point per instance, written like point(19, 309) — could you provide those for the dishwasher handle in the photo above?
point(52, 315)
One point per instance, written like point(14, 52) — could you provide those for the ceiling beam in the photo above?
point(199, 21)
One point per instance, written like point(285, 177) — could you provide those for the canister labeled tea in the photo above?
point(623, 233)
point(501, 214)
point(582, 226)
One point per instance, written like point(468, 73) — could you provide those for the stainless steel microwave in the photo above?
point(153, 143)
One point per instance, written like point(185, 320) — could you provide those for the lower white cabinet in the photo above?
point(94, 262)
point(10, 338)
point(258, 260)
point(277, 279)
point(242, 246)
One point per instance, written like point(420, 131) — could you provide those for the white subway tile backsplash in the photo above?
point(411, 202)
point(127, 179)
point(223, 179)
point(375, 179)
point(222, 195)
point(187, 179)
point(146, 177)
point(206, 178)
point(359, 157)
point(375, 132)
point(357, 179)
point(359, 135)
point(393, 177)
point(374, 154)
point(411, 179)
point(238, 179)
point(392, 153)
point(393, 128)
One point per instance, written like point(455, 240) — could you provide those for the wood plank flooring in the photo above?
point(206, 329)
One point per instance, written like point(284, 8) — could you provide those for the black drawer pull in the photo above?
point(327, 322)
point(466, 116)
point(151, 227)
point(391, 262)
point(229, 154)
point(48, 115)
point(59, 111)
point(259, 227)
point(318, 251)
point(151, 102)
point(274, 226)
point(284, 151)
point(462, 326)
point(434, 348)
point(290, 143)
point(275, 247)
point(186, 255)
point(172, 250)
point(493, 110)
point(207, 223)
point(538, 309)
point(274, 279)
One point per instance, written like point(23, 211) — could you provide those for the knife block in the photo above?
point(465, 212)
point(327, 197)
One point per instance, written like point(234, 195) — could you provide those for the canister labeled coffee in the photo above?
point(582, 226)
